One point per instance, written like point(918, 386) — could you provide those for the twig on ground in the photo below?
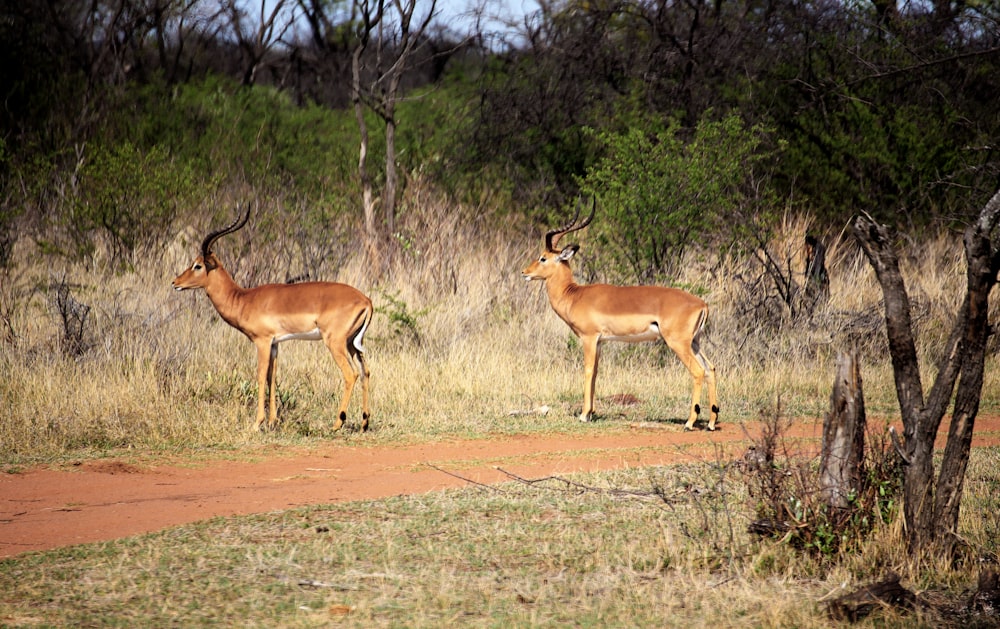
point(465, 478)
point(313, 583)
point(580, 487)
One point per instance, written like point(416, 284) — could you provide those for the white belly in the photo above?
point(646, 336)
point(311, 335)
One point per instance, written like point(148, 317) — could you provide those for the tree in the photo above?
point(380, 58)
point(257, 37)
point(880, 106)
point(931, 511)
point(661, 193)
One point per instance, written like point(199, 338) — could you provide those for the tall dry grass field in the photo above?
point(459, 340)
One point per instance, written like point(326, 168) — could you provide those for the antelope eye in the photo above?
point(197, 267)
point(542, 259)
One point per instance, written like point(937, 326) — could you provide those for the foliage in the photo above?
point(39, 83)
point(433, 129)
point(169, 149)
point(8, 215)
point(257, 135)
point(403, 321)
point(660, 195)
point(882, 109)
point(128, 195)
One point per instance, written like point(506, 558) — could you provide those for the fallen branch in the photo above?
point(583, 488)
point(861, 602)
point(313, 583)
point(466, 479)
point(570, 485)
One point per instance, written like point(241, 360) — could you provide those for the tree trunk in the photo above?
point(394, 48)
point(390, 190)
point(964, 355)
point(842, 458)
point(974, 328)
point(371, 235)
point(391, 173)
point(918, 432)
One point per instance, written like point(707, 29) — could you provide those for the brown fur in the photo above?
point(339, 314)
point(599, 312)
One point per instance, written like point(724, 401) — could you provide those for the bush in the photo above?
point(128, 195)
point(785, 493)
point(660, 195)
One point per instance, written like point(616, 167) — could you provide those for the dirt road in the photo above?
point(108, 499)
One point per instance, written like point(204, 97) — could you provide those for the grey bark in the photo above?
point(933, 517)
point(842, 457)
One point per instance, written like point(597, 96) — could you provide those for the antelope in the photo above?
point(634, 314)
point(270, 314)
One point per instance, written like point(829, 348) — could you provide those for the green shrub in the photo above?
point(128, 194)
point(660, 194)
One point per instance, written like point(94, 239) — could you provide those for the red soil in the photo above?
point(100, 500)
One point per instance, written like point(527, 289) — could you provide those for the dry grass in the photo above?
point(459, 340)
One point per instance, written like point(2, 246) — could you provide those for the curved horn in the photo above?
point(552, 237)
point(206, 246)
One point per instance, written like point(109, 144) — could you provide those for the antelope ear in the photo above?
point(210, 262)
point(568, 252)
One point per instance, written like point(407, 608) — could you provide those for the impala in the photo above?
point(337, 314)
point(598, 312)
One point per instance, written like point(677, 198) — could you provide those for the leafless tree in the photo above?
point(931, 511)
point(257, 34)
point(389, 35)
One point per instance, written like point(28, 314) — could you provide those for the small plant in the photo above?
point(73, 314)
point(404, 322)
point(286, 398)
point(787, 501)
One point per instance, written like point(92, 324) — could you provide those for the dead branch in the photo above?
point(583, 488)
point(466, 479)
point(570, 485)
point(863, 601)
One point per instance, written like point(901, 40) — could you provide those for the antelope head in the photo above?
point(553, 258)
point(196, 276)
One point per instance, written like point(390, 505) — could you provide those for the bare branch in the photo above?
point(875, 240)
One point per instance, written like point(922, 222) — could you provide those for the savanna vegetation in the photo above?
point(715, 137)
point(637, 548)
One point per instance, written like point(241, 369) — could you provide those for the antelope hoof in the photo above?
point(585, 418)
point(714, 417)
point(364, 423)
